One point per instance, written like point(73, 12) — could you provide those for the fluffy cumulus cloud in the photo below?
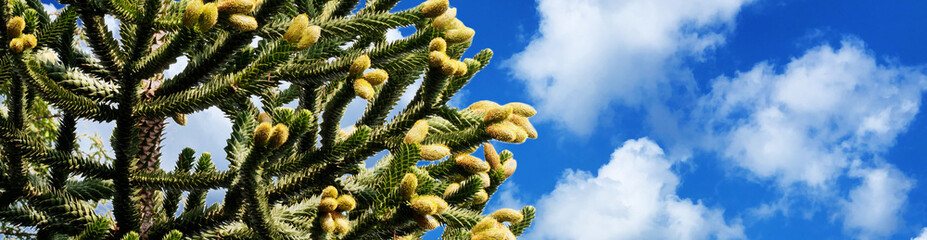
point(923, 235)
point(804, 124)
point(614, 51)
point(824, 116)
point(872, 209)
point(631, 197)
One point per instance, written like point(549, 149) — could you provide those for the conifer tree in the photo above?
point(293, 173)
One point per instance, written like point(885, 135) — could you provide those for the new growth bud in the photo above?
point(16, 45)
point(482, 106)
point(472, 164)
point(484, 179)
point(438, 45)
point(440, 205)
point(243, 22)
point(434, 8)
point(359, 65)
point(208, 17)
point(346, 203)
point(363, 89)
point(15, 27)
point(327, 222)
point(262, 134)
point(281, 133)
point(462, 68)
point(423, 206)
point(480, 197)
point(522, 109)
point(436, 59)
point(444, 21)
point(376, 77)
point(328, 204)
point(497, 114)
point(310, 36)
point(489, 153)
point(418, 132)
point(500, 132)
point(508, 215)
point(435, 152)
point(235, 6)
point(264, 118)
point(460, 35)
point(509, 167)
point(449, 67)
point(330, 192)
point(180, 119)
point(295, 31)
point(342, 225)
point(408, 186)
point(29, 41)
point(523, 123)
point(192, 13)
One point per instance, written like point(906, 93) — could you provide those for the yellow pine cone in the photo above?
point(446, 19)
point(484, 105)
point(449, 67)
point(520, 134)
point(472, 164)
point(500, 132)
point(16, 45)
point(208, 17)
point(363, 89)
point(508, 215)
point(342, 225)
point(262, 134)
point(408, 186)
point(434, 8)
point(436, 59)
point(459, 35)
point(310, 36)
point(236, 6)
point(327, 222)
point(497, 114)
point(192, 13)
point(265, 118)
point(426, 222)
point(441, 206)
point(484, 178)
point(15, 27)
point(330, 192)
point(480, 197)
point(491, 156)
point(451, 189)
point(509, 168)
point(376, 77)
point(494, 234)
point(486, 224)
point(346, 203)
point(462, 69)
point(180, 119)
point(295, 31)
point(328, 204)
point(243, 22)
point(29, 41)
point(423, 206)
point(438, 45)
point(524, 124)
point(522, 109)
point(418, 132)
point(359, 65)
point(435, 152)
point(281, 133)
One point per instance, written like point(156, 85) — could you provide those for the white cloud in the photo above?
point(923, 235)
point(631, 197)
point(804, 124)
point(615, 51)
point(872, 209)
point(51, 10)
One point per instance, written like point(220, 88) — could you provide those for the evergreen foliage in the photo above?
point(293, 173)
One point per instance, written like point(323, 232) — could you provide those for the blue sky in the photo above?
point(699, 119)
